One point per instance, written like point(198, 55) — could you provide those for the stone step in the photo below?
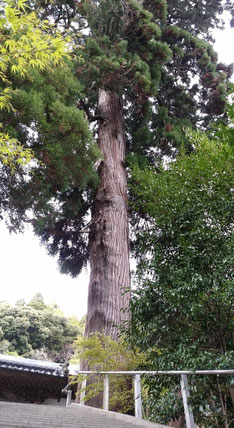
point(18, 415)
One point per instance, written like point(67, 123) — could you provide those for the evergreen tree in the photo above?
point(141, 71)
point(36, 330)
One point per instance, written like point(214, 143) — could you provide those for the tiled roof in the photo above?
point(35, 366)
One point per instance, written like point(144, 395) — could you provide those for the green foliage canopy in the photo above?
point(148, 52)
point(36, 330)
point(105, 354)
point(182, 309)
point(225, 132)
point(25, 43)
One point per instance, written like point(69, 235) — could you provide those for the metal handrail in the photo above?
point(156, 372)
point(137, 387)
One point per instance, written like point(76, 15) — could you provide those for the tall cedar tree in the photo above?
point(141, 71)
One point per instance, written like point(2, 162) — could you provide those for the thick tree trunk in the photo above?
point(109, 242)
point(108, 298)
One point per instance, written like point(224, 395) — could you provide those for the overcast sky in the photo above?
point(26, 269)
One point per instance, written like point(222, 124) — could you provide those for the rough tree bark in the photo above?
point(109, 242)
point(108, 298)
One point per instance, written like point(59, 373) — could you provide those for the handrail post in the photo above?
point(106, 393)
point(69, 397)
point(187, 408)
point(82, 393)
point(137, 392)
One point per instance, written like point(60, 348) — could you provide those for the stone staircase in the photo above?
point(76, 416)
